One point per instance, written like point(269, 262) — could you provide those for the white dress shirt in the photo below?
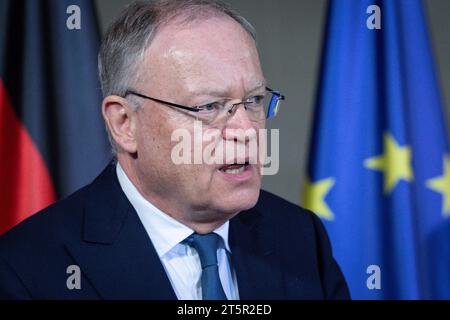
point(181, 262)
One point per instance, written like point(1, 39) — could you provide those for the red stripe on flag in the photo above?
point(25, 183)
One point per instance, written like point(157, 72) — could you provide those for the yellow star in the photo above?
point(395, 163)
point(314, 197)
point(442, 185)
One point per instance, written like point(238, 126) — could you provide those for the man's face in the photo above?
point(203, 62)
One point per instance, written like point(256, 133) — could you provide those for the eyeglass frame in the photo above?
point(197, 109)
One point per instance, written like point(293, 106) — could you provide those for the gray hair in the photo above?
point(126, 40)
point(129, 36)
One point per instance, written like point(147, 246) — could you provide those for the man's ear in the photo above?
point(120, 117)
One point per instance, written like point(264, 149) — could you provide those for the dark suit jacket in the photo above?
point(279, 251)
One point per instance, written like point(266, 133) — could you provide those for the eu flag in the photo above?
point(379, 167)
point(52, 137)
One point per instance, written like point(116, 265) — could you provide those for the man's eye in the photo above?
point(256, 100)
point(211, 107)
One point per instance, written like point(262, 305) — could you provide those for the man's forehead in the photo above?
point(206, 57)
point(218, 32)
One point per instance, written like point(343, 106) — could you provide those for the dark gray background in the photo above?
point(289, 40)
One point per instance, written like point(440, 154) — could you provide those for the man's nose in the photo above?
point(237, 123)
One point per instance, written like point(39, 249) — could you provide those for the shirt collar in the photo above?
point(164, 231)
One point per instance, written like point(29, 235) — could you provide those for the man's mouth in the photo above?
point(234, 168)
point(237, 171)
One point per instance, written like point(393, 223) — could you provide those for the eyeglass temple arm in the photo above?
point(193, 109)
point(280, 96)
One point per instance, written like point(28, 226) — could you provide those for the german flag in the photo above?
point(52, 137)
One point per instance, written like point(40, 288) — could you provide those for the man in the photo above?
point(151, 228)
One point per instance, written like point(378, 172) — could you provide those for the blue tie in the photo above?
point(206, 246)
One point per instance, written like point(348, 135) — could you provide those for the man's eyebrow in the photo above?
point(225, 92)
point(261, 86)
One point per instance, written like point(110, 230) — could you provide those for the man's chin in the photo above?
point(236, 202)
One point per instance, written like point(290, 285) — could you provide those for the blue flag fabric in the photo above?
point(379, 167)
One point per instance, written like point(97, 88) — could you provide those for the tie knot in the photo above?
point(206, 246)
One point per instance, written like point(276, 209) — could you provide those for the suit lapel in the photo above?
point(252, 242)
point(116, 255)
point(118, 259)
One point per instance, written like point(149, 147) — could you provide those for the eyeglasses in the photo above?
point(258, 107)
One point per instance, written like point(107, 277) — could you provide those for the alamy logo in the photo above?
point(74, 279)
point(374, 280)
point(374, 20)
point(73, 22)
point(199, 146)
